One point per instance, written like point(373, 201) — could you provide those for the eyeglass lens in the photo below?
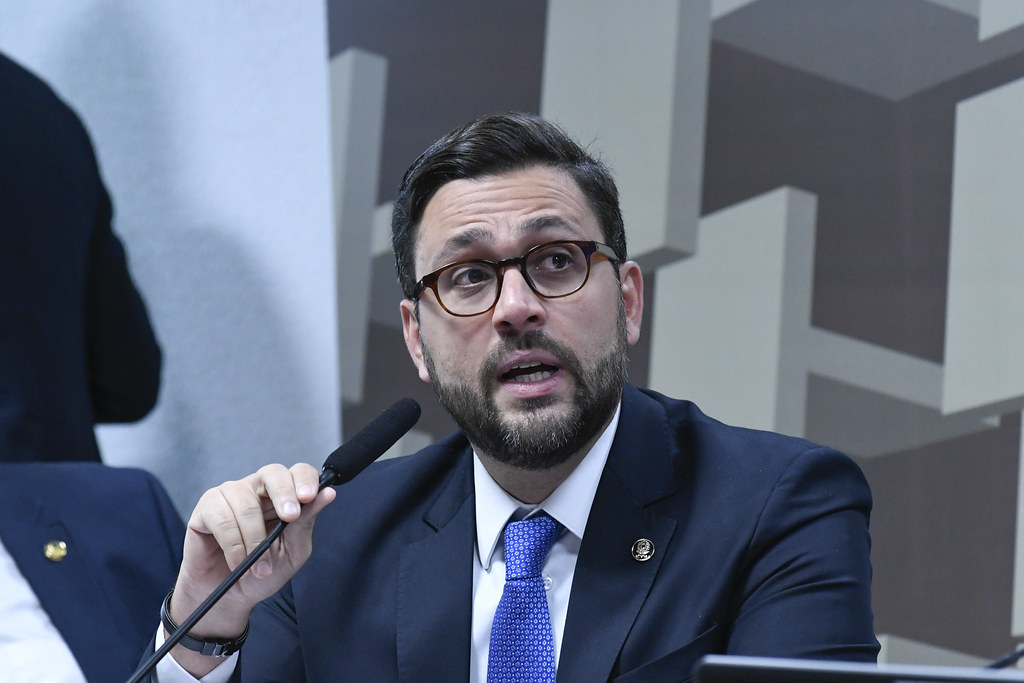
point(552, 270)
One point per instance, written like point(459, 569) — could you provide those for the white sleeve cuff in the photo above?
point(169, 671)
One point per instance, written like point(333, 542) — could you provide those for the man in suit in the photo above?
point(86, 554)
point(76, 345)
point(664, 534)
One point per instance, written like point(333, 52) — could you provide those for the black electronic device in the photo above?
point(737, 669)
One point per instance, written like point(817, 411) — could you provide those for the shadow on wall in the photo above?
point(233, 396)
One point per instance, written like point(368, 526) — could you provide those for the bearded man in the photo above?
point(576, 526)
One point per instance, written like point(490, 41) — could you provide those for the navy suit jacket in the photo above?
point(124, 542)
point(76, 345)
point(760, 541)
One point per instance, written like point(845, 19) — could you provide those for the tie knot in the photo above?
point(527, 544)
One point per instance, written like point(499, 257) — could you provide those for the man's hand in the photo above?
point(227, 524)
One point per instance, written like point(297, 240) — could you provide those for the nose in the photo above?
point(518, 308)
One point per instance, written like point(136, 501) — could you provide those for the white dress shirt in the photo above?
point(168, 670)
point(569, 504)
point(32, 650)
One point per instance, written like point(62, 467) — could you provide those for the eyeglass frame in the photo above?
point(588, 247)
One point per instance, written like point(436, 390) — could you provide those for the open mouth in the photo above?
point(528, 372)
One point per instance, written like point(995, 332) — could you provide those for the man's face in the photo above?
point(533, 380)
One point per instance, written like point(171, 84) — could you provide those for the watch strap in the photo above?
point(213, 647)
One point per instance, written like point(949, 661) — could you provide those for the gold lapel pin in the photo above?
point(643, 549)
point(55, 551)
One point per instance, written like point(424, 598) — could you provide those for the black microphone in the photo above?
point(348, 460)
point(356, 454)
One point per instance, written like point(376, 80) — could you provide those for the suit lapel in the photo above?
point(610, 586)
point(68, 589)
point(435, 587)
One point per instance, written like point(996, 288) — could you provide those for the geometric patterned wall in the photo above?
point(826, 198)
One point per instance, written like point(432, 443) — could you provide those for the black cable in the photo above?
point(1008, 659)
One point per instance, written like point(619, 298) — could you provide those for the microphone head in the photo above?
point(370, 442)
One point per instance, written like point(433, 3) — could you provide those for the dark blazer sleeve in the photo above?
point(805, 588)
point(277, 636)
point(122, 353)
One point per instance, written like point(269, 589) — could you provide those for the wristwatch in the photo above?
point(214, 647)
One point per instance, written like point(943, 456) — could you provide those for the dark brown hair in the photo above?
point(494, 145)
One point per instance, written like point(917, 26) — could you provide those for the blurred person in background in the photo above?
point(86, 554)
point(76, 344)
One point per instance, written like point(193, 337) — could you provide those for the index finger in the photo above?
point(289, 489)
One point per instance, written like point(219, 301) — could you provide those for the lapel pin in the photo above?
point(55, 551)
point(643, 549)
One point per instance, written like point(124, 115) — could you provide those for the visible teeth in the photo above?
point(532, 377)
point(540, 371)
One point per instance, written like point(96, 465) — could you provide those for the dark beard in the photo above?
point(544, 441)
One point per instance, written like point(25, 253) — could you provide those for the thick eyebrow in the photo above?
point(542, 223)
point(453, 247)
point(457, 243)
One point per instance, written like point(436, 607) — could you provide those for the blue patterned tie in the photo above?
point(522, 648)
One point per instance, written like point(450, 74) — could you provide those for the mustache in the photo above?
point(534, 339)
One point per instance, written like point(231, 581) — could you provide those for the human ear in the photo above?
point(413, 341)
point(631, 280)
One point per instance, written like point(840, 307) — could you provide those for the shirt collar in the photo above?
point(569, 503)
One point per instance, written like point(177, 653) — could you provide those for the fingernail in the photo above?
point(291, 508)
point(262, 569)
point(306, 490)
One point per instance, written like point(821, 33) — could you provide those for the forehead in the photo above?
point(503, 211)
